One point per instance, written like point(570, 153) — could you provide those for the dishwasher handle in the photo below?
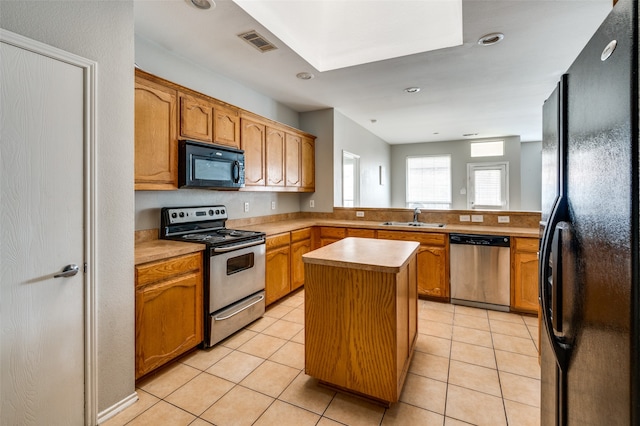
point(480, 240)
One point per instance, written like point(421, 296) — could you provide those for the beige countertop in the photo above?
point(272, 228)
point(152, 250)
point(369, 254)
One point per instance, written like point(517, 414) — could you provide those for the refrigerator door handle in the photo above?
point(556, 281)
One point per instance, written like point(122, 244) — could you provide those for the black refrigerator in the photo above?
point(589, 251)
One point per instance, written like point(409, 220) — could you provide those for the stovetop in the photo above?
point(204, 224)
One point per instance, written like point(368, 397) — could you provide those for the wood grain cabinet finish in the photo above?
point(196, 118)
point(308, 164)
point(275, 147)
point(253, 138)
point(433, 261)
point(293, 157)
point(330, 235)
point(524, 275)
point(360, 328)
point(156, 137)
point(226, 126)
point(278, 267)
point(169, 310)
point(300, 244)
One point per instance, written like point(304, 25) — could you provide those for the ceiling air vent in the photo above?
point(257, 41)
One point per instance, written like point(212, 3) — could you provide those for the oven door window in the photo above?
point(211, 170)
point(239, 263)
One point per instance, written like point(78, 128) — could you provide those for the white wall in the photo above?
point(373, 151)
point(163, 63)
point(531, 176)
point(321, 124)
point(460, 156)
point(101, 31)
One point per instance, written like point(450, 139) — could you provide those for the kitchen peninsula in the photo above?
point(361, 315)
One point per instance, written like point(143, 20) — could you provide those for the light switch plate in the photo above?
point(503, 219)
point(312, 203)
point(477, 218)
point(465, 218)
point(359, 214)
point(273, 205)
point(246, 207)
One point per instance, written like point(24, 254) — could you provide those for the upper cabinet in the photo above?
point(156, 138)
point(277, 157)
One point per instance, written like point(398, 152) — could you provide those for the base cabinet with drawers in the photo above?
point(524, 275)
point(433, 261)
point(169, 313)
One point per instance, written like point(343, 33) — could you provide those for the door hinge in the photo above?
point(85, 268)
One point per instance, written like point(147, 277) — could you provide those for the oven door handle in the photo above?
point(238, 247)
point(260, 299)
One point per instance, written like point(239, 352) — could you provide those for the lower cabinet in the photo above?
point(330, 235)
point(278, 266)
point(524, 275)
point(433, 261)
point(300, 244)
point(169, 310)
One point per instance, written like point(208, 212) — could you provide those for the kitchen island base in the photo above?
point(361, 313)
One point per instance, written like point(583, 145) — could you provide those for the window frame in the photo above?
point(429, 204)
point(503, 166)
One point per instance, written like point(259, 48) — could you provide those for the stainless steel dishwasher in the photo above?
point(480, 271)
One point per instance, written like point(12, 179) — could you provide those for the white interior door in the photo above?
point(42, 320)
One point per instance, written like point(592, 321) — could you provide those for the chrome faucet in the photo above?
point(416, 212)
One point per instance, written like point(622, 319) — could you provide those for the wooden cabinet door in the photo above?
point(292, 159)
point(168, 320)
point(330, 235)
point(156, 138)
point(226, 126)
point(253, 144)
point(298, 248)
point(274, 147)
point(308, 164)
point(196, 118)
point(524, 294)
point(432, 271)
point(278, 264)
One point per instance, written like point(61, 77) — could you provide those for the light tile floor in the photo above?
point(471, 366)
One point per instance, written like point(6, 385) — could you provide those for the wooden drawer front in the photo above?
point(421, 237)
point(362, 233)
point(326, 232)
point(301, 234)
point(526, 244)
point(156, 271)
point(278, 240)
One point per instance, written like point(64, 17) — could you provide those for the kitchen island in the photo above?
point(361, 313)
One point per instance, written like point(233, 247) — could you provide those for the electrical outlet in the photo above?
point(273, 205)
point(312, 203)
point(465, 218)
point(503, 219)
point(359, 214)
point(477, 218)
point(246, 207)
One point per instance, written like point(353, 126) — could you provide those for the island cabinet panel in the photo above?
point(524, 275)
point(156, 137)
point(278, 267)
point(360, 323)
point(433, 261)
point(169, 314)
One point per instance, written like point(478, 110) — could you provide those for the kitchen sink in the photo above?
point(416, 224)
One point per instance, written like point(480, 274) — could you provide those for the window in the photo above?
point(429, 182)
point(488, 186)
point(487, 149)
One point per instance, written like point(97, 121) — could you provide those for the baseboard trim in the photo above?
point(116, 408)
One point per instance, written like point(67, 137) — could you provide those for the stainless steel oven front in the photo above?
point(236, 288)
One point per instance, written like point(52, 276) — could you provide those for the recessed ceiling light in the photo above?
point(374, 121)
point(305, 75)
point(490, 39)
point(412, 89)
point(203, 4)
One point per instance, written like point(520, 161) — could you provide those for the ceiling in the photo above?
point(487, 91)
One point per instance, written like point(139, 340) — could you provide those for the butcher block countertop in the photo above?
point(368, 254)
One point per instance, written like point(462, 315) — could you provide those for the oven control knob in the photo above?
point(222, 211)
point(218, 211)
point(181, 214)
point(210, 212)
point(174, 215)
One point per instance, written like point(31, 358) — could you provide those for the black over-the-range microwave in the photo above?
point(204, 165)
